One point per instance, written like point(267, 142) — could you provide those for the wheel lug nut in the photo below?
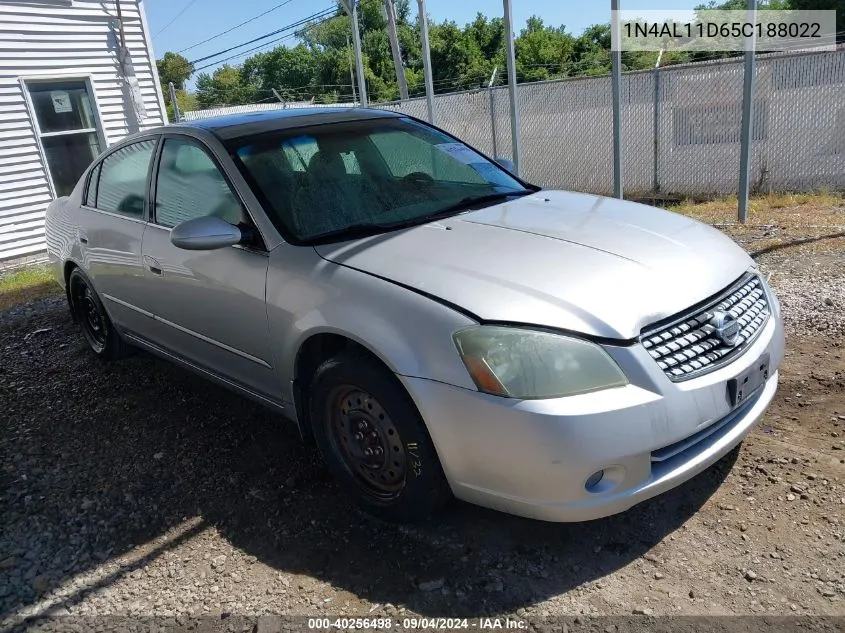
point(359, 436)
point(362, 426)
point(368, 452)
point(374, 435)
point(377, 450)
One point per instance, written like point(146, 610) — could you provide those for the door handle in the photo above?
point(152, 265)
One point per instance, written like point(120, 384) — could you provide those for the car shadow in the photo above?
point(100, 457)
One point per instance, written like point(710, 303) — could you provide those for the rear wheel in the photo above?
point(100, 334)
point(374, 440)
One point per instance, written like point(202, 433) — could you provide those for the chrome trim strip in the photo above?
point(114, 215)
point(128, 305)
point(213, 342)
point(707, 304)
point(201, 337)
point(182, 361)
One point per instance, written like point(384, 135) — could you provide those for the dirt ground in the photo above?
point(136, 488)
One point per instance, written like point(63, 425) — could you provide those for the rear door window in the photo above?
point(91, 191)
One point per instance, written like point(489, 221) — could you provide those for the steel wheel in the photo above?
point(364, 435)
point(90, 315)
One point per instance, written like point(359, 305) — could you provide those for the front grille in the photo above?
point(687, 345)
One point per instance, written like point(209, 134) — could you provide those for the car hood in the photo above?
point(600, 266)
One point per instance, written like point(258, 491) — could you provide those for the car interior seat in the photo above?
point(323, 204)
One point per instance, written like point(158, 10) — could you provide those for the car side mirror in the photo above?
point(207, 233)
point(507, 163)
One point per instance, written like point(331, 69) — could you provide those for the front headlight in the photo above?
point(530, 364)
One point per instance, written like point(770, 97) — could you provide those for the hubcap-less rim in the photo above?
point(368, 442)
point(93, 323)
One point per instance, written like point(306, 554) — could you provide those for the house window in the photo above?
point(67, 129)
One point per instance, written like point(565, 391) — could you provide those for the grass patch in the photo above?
point(25, 285)
point(810, 222)
point(786, 210)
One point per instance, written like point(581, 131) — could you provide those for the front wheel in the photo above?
point(374, 440)
point(100, 334)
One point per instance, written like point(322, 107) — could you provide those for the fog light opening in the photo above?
point(593, 481)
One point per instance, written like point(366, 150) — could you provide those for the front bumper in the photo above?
point(534, 458)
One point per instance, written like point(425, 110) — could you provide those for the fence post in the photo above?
point(351, 7)
point(747, 115)
point(493, 111)
point(616, 87)
point(512, 88)
point(655, 182)
point(426, 55)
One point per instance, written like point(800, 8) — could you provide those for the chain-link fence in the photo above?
point(680, 127)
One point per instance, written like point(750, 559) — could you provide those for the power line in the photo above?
point(266, 35)
point(176, 17)
point(237, 26)
point(326, 16)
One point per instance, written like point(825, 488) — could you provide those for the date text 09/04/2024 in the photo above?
point(811, 30)
point(328, 624)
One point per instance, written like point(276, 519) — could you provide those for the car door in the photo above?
point(209, 306)
point(112, 220)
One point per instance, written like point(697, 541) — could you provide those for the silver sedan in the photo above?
point(435, 324)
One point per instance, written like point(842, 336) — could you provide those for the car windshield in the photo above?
point(331, 181)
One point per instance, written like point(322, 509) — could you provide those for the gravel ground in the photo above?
point(136, 488)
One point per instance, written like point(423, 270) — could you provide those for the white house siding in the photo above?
point(62, 38)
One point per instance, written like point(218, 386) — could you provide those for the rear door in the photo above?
point(113, 218)
point(209, 306)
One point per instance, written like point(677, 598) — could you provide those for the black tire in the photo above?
point(353, 388)
point(99, 332)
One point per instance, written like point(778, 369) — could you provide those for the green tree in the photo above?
point(225, 86)
point(825, 5)
point(543, 52)
point(591, 51)
point(173, 68)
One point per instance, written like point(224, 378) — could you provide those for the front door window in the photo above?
point(67, 129)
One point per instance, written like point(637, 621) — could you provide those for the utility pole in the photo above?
point(511, 58)
point(390, 7)
point(351, 73)
point(426, 50)
point(351, 7)
point(747, 117)
point(176, 114)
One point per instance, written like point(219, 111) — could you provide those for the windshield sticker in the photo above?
point(460, 153)
point(489, 172)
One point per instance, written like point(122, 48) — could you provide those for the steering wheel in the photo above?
point(418, 178)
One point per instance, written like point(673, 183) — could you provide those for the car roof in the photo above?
point(230, 126)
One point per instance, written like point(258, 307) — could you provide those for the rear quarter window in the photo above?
point(122, 186)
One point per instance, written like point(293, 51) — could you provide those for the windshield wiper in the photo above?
point(472, 201)
point(352, 231)
point(367, 229)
